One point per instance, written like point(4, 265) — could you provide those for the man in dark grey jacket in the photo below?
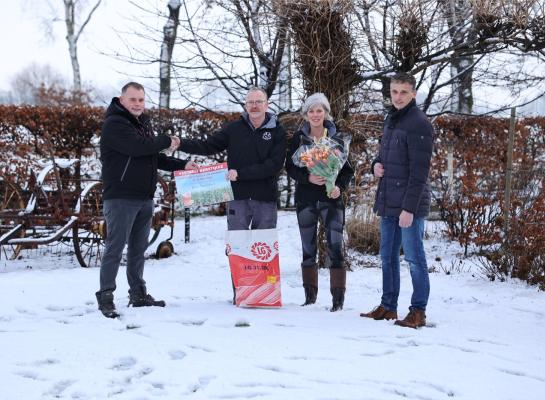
point(403, 201)
point(130, 155)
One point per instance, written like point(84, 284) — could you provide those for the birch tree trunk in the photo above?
point(169, 39)
point(458, 16)
point(73, 34)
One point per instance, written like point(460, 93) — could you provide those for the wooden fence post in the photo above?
point(450, 168)
point(508, 178)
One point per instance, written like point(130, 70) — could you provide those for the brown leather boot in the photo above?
point(414, 319)
point(379, 313)
point(310, 284)
point(337, 280)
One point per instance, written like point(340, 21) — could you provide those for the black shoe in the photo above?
point(338, 299)
point(106, 304)
point(311, 292)
point(145, 301)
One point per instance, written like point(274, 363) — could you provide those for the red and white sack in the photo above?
point(255, 267)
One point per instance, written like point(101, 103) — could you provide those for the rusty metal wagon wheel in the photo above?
point(89, 232)
point(161, 213)
point(11, 203)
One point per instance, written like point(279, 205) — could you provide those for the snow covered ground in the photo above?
point(485, 339)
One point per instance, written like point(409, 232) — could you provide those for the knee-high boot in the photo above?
point(310, 284)
point(338, 287)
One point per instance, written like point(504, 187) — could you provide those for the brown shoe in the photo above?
point(414, 319)
point(380, 313)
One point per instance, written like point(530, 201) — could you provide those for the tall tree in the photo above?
point(428, 37)
point(323, 50)
point(72, 8)
point(165, 61)
point(457, 14)
point(26, 84)
point(231, 46)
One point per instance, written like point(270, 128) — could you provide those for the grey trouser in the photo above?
point(332, 215)
point(128, 222)
point(251, 214)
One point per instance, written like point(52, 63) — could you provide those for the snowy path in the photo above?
point(486, 339)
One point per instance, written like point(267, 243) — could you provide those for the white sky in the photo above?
point(24, 41)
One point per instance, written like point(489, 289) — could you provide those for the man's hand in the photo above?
point(232, 175)
point(378, 170)
point(174, 143)
point(335, 193)
point(191, 165)
point(405, 219)
point(317, 180)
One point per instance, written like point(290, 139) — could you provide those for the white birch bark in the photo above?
point(167, 47)
point(73, 34)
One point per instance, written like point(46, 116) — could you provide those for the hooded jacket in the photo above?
point(257, 155)
point(405, 152)
point(130, 156)
point(305, 191)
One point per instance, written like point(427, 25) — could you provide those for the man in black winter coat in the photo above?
point(256, 149)
point(403, 201)
point(130, 155)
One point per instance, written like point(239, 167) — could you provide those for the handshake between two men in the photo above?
point(174, 145)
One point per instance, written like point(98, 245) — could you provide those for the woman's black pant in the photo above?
point(332, 216)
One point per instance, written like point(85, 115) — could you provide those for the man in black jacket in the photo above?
point(130, 155)
point(256, 149)
point(403, 201)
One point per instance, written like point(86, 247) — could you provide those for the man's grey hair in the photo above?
point(134, 85)
point(317, 99)
point(257, 89)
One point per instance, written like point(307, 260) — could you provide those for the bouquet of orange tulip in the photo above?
point(324, 158)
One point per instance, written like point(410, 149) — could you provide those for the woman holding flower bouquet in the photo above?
point(317, 161)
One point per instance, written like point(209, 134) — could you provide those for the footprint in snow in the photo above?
point(28, 375)
point(378, 353)
point(25, 311)
point(124, 364)
point(45, 362)
point(521, 374)
point(274, 368)
point(192, 322)
point(201, 384)
point(59, 387)
point(177, 354)
point(202, 348)
point(58, 308)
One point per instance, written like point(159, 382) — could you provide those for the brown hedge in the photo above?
point(472, 208)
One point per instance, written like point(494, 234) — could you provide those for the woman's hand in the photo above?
point(317, 180)
point(335, 193)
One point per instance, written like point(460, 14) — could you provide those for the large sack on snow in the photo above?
point(255, 268)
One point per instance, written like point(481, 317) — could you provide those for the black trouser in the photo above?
point(128, 223)
point(251, 214)
point(332, 215)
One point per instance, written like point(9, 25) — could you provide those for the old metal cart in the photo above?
point(63, 209)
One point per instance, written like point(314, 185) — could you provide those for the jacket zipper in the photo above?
point(125, 170)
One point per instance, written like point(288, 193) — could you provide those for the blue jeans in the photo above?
point(391, 239)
